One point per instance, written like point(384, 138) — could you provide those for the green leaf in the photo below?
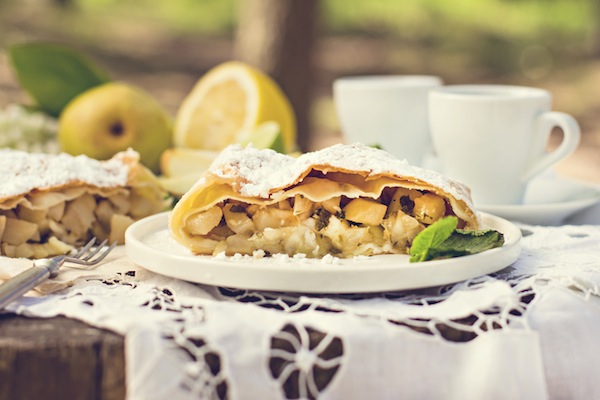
point(53, 74)
point(435, 242)
point(471, 242)
point(432, 237)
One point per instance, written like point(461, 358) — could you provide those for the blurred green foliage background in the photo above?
point(500, 36)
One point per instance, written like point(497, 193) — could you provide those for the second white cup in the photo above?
point(386, 110)
point(494, 137)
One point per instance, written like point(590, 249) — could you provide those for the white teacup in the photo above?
point(386, 110)
point(494, 137)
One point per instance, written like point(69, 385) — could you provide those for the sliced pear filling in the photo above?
point(365, 211)
point(46, 224)
point(340, 226)
point(202, 223)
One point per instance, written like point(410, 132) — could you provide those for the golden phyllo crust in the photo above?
point(52, 203)
point(344, 200)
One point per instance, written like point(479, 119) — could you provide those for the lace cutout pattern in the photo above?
point(304, 360)
point(463, 329)
point(204, 375)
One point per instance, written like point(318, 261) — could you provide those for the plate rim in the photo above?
point(211, 270)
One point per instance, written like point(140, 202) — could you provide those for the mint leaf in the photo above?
point(53, 74)
point(432, 237)
point(458, 243)
point(472, 242)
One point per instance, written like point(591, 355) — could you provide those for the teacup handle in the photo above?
point(571, 138)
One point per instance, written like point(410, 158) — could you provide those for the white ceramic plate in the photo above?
point(549, 200)
point(149, 245)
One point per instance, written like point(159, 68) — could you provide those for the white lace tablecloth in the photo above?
point(527, 332)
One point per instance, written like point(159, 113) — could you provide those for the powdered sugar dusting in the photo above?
point(259, 170)
point(21, 172)
point(280, 258)
point(259, 173)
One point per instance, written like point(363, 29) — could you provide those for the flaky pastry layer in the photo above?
point(345, 200)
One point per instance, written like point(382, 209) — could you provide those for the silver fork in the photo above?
point(46, 268)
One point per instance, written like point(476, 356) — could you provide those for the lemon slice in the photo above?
point(229, 101)
point(179, 185)
point(266, 136)
point(183, 161)
point(182, 167)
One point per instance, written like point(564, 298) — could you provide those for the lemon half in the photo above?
point(229, 101)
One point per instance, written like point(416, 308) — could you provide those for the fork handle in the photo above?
point(13, 288)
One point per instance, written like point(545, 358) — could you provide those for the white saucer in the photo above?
point(549, 200)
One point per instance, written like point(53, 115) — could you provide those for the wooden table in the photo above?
point(59, 358)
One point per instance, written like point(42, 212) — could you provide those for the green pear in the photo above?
point(112, 117)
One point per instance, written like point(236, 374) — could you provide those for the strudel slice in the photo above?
point(345, 200)
point(50, 203)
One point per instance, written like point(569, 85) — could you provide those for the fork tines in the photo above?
point(90, 255)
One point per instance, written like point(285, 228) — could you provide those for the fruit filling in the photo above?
point(341, 226)
point(45, 224)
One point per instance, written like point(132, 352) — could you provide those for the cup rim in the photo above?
point(387, 81)
point(490, 91)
